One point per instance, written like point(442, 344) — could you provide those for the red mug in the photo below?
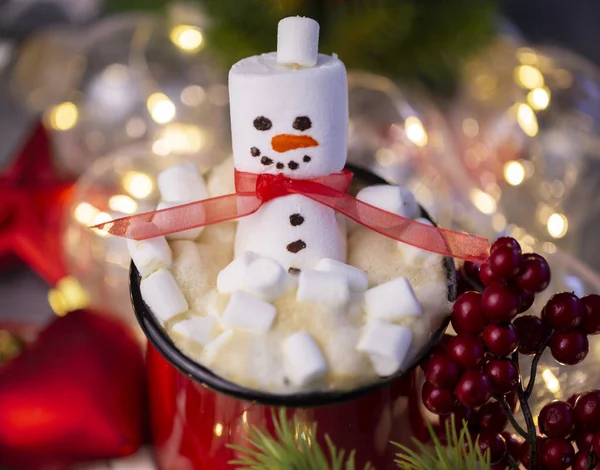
point(196, 415)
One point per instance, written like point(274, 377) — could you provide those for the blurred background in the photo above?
point(488, 110)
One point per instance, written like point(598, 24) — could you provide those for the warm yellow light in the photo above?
point(101, 218)
point(135, 127)
point(193, 95)
point(57, 302)
point(122, 203)
point(415, 131)
point(85, 213)
point(470, 127)
point(74, 295)
point(527, 56)
point(385, 157)
point(161, 108)
point(557, 225)
point(179, 138)
point(189, 38)
point(551, 381)
point(527, 120)
point(528, 76)
point(139, 185)
point(498, 222)
point(514, 173)
point(63, 116)
point(218, 429)
point(483, 201)
point(539, 98)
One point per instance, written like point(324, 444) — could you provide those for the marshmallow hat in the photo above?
point(289, 109)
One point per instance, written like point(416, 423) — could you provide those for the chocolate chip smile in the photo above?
point(266, 161)
point(280, 166)
point(293, 165)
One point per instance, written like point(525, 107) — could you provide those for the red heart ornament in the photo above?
point(76, 394)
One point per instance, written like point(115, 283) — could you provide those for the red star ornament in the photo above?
point(32, 203)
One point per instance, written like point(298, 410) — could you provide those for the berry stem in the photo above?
point(512, 463)
point(534, 364)
point(532, 435)
point(517, 427)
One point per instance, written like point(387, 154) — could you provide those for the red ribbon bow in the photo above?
point(253, 190)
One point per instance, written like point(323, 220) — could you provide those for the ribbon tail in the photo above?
point(434, 239)
point(183, 217)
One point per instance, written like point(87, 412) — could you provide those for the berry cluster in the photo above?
point(475, 375)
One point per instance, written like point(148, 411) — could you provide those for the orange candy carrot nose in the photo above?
point(284, 142)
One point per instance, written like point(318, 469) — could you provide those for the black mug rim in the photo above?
point(161, 341)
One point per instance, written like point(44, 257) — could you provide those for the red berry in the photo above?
point(587, 410)
point(535, 273)
point(569, 347)
point(526, 457)
point(500, 339)
point(557, 454)
point(531, 333)
point(583, 461)
point(503, 375)
point(486, 276)
point(469, 270)
point(437, 400)
point(438, 349)
point(461, 415)
point(573, 398)
point(442, 372)
point(505, 262)
point(591, 314)
point(563, 311)
point(596, 443)
point(491, 417)
point(467, 316)
point(473, 389)
point(503, 242)
point(494, 443)
point(466, 350)
point(557, 419)
point(584, 440)
point(513, 401)
point(513, 445)
point(527, 299)
point(500, 303)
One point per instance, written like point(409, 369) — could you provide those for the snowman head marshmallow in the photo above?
point(289, 109)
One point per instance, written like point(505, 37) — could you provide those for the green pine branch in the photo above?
point(294, 446)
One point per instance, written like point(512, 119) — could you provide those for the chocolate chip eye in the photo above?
point(302, 123)
point(262, 123)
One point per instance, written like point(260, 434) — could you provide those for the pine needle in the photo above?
point(460, 452)
point(294, 446)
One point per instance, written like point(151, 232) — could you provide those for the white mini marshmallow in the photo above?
point(390, 198)
point(161, 293)
point(202, 330)
point(387, 345)
point(232, 277)
point(298, 41)
point(410, 253)
point(247, 312)
point(267, 279)
point(357, 279)
point(150, 255)
point(212, 349)
point(190, 234)
point(392, 300)
point(181, 183)
point(323, 287)
point(303, 361)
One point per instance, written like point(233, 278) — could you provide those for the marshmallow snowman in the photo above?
point(289, 115)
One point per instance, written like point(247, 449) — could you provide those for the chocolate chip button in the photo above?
point(255, 152)
point(296, 246)
point(296, 219)
point(266, 161)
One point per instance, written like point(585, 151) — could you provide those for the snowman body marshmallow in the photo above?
point(289, 115)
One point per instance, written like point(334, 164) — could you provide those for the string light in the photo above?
point(67, 296)
point(415, 131)
point(193, 95)
point(514, 173)
point(539, 98)
point(551, 381)
point(527, 120)
point(470, 127)
point(179, 138)
point(139, 185)
point(101, 218)
point(189, 38)
point(85, 213)
point(557, 225)
point(527, 76)
point(161, 108)
point(63, 116)
point(122, 203)
point(483, 201)
point(218, 429)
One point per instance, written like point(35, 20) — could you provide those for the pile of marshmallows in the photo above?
point(254, 282)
